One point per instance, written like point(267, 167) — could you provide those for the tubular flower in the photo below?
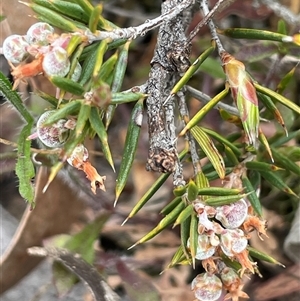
point(244, 95)
point(80, 160)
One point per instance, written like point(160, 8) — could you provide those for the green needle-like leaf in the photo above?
point(222, 140)
point(252, 197)
point(83, 117)
point(94, 18)
point(277, 182)
point(24, 167)
point(184, 215)
point(249, 33)
point(210, 150)
point(98, 127)
point(262, 256)
point(224, 200)
point(117, 81)
point(285, 162)
point(277, 97)
point(65, 110)
point(192, 69)
point(193, 239)
point(262, 166)
point(218, 191)
point(131, 142)
point(192, 191)
point(205, 109)
point(14, 98)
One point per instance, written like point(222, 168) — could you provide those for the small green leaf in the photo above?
point(261, 166)
point(117, 81)
point(281, 27)
point(178, 258)
point(52, 17)
point(67, 85)
point(285, 162)
point(271, 107)
point(218, 191)
point(192, 69)
point(222, 140)
point(279, 140)
point(263, 139)
point(205, 109)
point(14, 98)
point(192, 191)
point(193, 240)
point(262, 256)
point(277, 97)
point(24, 167)
point(180, 190)
point(184, 236)
point(102, 48)
point(88, 66)
point(65, 110)
point(284, 82)
point(82, 119)
point(201, 180)
point(107, 68)
point(256, 34)
point(131, 142)
point(94, 17)
point(224, 200)
point(210, 150)
point(98, 127)
point(125, 97)
point(169, 207)
point(252, 197)
point(184, 214)
point(277, 182)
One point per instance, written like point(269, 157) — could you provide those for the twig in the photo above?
point(220, 5)
point(86, 272)
point(184, 113)
point(206, 99)
point(34, 150)
point(133, 32)
point(282, 11)
point(212, 27)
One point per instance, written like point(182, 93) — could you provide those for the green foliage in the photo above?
point(241, 165)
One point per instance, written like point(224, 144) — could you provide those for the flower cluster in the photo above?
point(223, 233)
point(46, 51)
point(55, 135)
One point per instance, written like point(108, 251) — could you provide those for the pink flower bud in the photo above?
point(53, 135)
point(207, 287)
point(39, 33)
point(244, 95)
point(56, 62)
point(14, 48)
point(232, 216)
